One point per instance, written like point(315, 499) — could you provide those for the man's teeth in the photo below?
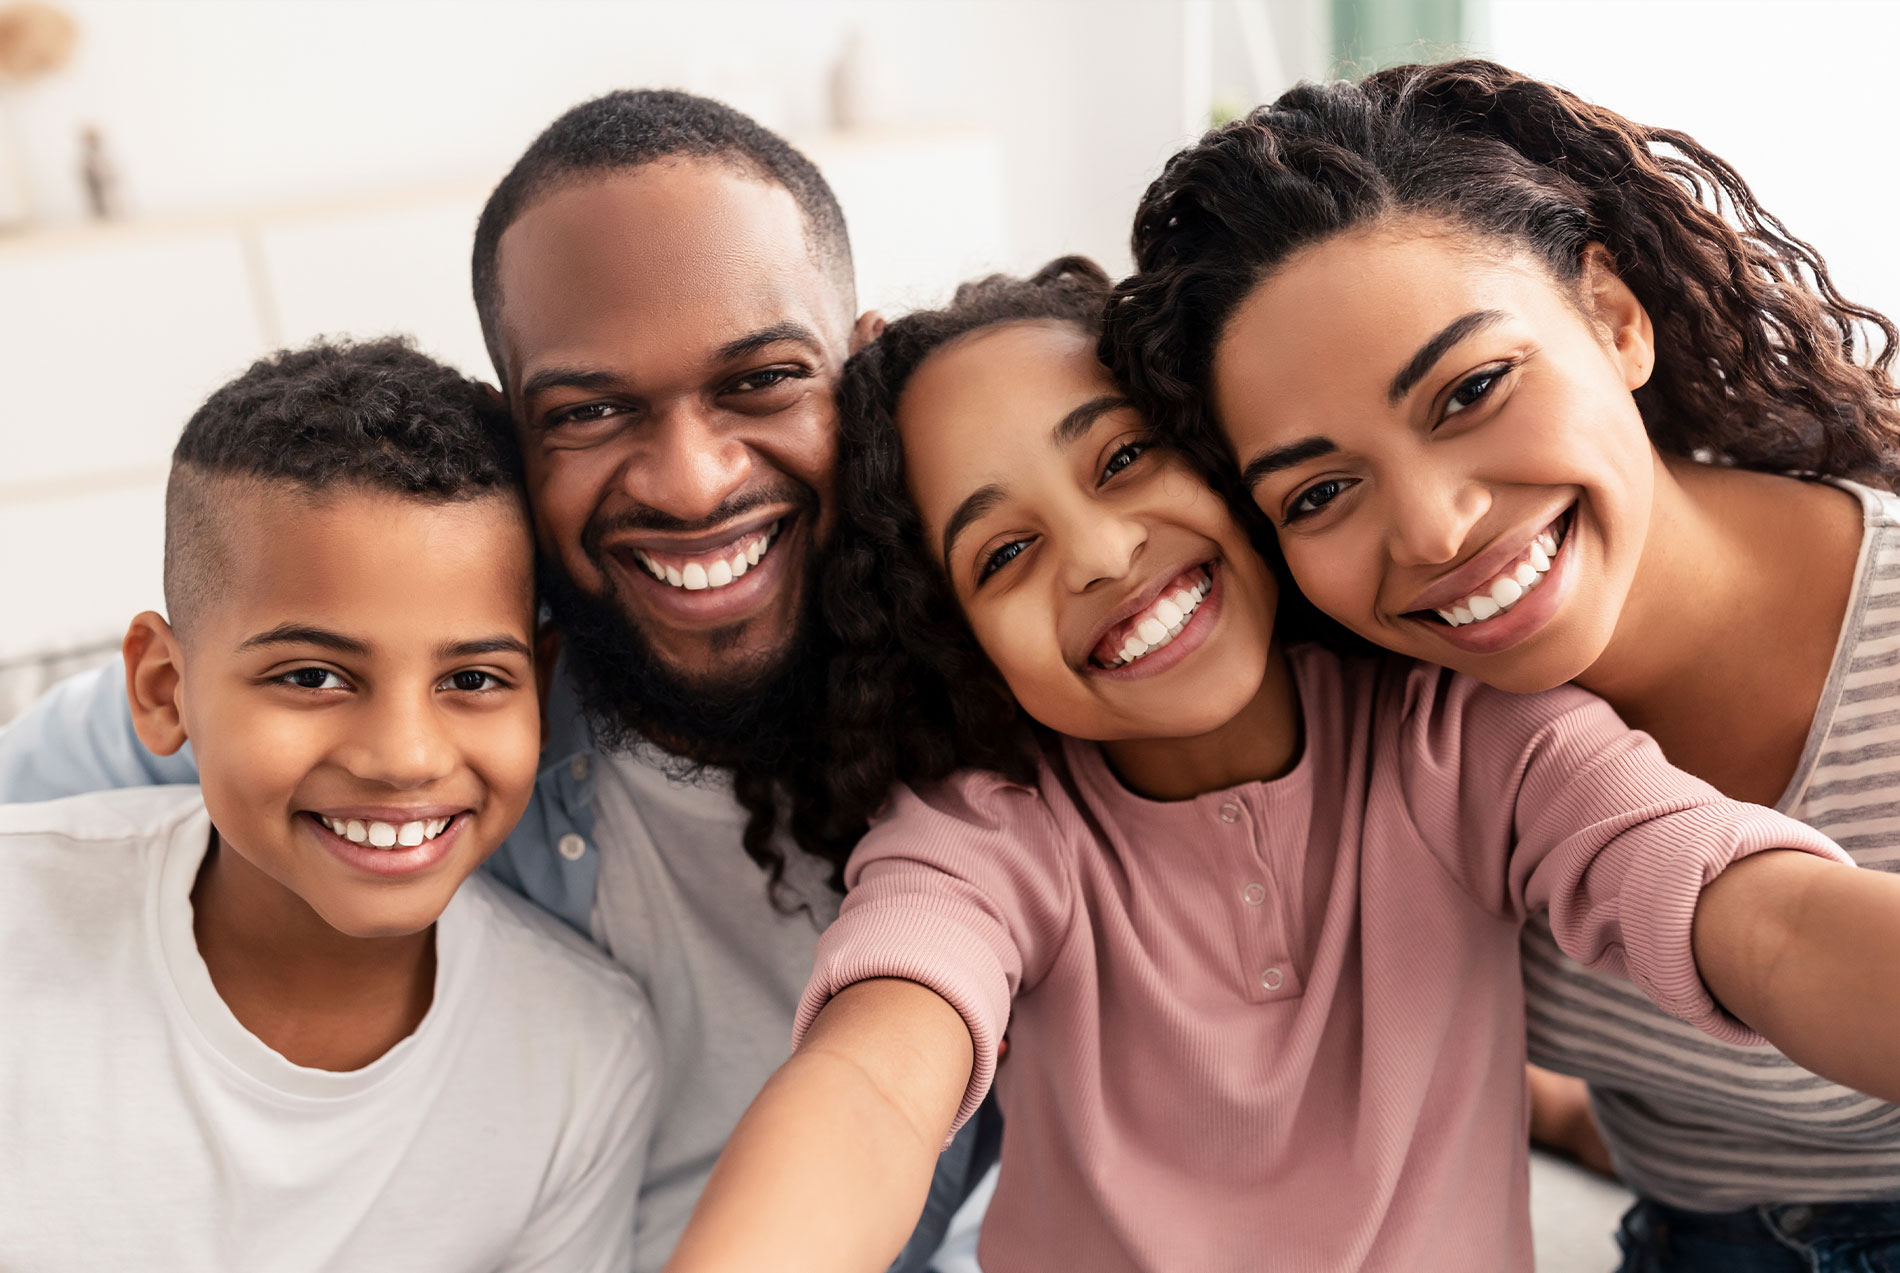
point(1162, 624)
point(720, 570)
point(387, 835)
point(1508, 588)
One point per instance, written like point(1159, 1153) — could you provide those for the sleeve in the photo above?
point(585, 1222)
point(78, 738)
point(965, 889)
point(1550, 802)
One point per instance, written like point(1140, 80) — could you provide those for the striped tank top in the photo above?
point(1712, 1126)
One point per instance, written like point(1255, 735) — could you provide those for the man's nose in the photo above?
point(1434, 512)
point(690, 468)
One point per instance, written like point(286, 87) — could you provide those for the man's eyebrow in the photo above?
point(1077, 422)
point(752, 342)
point(1435, 348)
point(484, 645)
point(306, 634)
point(974, 505)
point(1284, 457)
point(567, 378)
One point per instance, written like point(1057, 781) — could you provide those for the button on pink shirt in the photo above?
point(1281, 1026)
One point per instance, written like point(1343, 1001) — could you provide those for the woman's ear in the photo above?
point(154, 671)
point(1620, 318)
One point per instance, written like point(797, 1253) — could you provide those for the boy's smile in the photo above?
point(360, 698)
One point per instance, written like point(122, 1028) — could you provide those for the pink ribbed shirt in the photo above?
point(1281, 1026)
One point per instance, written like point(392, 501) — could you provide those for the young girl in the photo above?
point(1518, 401)
point(1252, 924)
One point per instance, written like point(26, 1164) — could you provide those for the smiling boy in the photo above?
point(275, 1024)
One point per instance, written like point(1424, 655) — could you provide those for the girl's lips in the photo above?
point(397, 861)
point(1192, 636)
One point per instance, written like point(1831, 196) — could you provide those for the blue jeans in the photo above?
point(1835, 1237)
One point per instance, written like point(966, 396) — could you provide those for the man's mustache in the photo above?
point(598, 528)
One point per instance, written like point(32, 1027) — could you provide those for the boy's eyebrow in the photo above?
point(306, 634)
point(974, 505)
point(1077, 422)
point(1284, 457)
point(484, 645)
point(1435, 348)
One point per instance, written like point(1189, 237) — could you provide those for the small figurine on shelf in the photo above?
point(100, 174)
point(35, 40)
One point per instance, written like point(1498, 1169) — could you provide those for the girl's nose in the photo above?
point(1102, 549)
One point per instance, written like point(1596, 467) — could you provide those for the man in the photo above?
point(665, 288)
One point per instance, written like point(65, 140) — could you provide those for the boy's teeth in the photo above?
point(1507, 589)
point(388, 835)
point(382, 835)
point(697, 576)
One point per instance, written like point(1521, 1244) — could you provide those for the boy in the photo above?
point(270, 1023)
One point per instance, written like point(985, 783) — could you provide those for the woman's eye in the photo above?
point(313, 678)
point(1125, 455)
point(1001, 557)
point(1473, 388)
point(472, 682)
point(1316, 497)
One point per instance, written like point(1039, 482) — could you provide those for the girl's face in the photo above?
point(1107, 583)
point(1443, 435)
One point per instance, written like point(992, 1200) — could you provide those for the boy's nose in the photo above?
point(691, 467)
point(402, 747)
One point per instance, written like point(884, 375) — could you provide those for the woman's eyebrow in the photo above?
point(1435, 348)
point(974, 505)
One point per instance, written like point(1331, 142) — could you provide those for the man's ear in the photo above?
point(154, 671)
point(869, 327)
point(1619, 317)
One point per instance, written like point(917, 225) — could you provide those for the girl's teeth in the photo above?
point(1526, 574)
point(1168, 614)
point(1505, 592)
point(1163, 623)
point(1463, 616)
point(1482, 607)
point(1540, 560)
point(356, 832)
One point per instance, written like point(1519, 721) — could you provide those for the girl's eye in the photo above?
point(470, 681)
point(1315, 497)
point(313, 678)
point(1000, 558)
point(1473, 389)
point(1125, 455)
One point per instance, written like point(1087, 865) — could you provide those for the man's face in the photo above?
point(671, 348)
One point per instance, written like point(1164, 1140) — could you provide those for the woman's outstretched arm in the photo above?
point(1806, 952)
point(829, 1167)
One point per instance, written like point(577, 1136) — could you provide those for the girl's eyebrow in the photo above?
point(1284, 457)
point(974, 505)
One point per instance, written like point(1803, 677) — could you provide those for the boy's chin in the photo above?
point(373, 918)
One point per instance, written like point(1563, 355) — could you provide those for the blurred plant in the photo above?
point(35, 39)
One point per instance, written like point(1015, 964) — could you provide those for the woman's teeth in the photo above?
point(715, 571)
point(1510, 587)
point(1160, 623)
point(387, 835)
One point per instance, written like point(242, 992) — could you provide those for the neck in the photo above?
point(1261, 742)
point(317, 997)
point(1729, 627)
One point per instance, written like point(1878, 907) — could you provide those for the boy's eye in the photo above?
point(313, 678)
point(1315, 497)
point(1473, 388)
point(1125, 455)
point(1000, 558)
point(470, 681)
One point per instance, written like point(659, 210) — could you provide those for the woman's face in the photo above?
point(1107, 583)
point(1443, 434)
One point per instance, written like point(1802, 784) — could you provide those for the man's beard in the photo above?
point(753, 719)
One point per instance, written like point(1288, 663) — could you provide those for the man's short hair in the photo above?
point(630, 129)
point(331, 416)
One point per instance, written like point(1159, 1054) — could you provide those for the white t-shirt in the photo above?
point(142, 1127)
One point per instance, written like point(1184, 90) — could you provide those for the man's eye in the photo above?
point(1125, 455)
point(1316, 497)
point(1001, 557)
point(472, 682)
point(313, 678)
point(1473, 389)
point(767, 378)
point(586, 413)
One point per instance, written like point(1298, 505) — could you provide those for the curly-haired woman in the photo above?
point(1250, 914)
point(1520, 399)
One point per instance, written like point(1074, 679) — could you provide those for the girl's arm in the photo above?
point(830, 1166)
point(1807, 954)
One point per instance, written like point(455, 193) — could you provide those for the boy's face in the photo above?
point(366, 665)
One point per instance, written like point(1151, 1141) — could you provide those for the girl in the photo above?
point(1518, 400)
point(1252, 923)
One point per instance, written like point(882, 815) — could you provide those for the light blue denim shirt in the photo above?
point(78, 737)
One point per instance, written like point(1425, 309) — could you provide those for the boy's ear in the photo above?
point(1620, 318)
point(154, 672)
point(869, 327)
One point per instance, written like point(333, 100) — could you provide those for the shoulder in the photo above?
point(975, 822)
point(1434, 714)
point(129, 816)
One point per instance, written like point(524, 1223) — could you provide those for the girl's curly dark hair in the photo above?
point(1759, 360)
point(912, 697)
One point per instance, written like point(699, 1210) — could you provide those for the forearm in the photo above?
point(830, 1166)
point(1804, 951)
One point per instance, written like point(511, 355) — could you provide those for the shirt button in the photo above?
point(579, 767)
point(1254, 894)
point(1271, 979)
point(572, 847)
point(1230, 813)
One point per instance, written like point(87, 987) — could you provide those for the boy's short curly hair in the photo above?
point(333, 415)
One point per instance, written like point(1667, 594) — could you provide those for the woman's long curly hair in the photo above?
point(1760, 362)
point(912, 697)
